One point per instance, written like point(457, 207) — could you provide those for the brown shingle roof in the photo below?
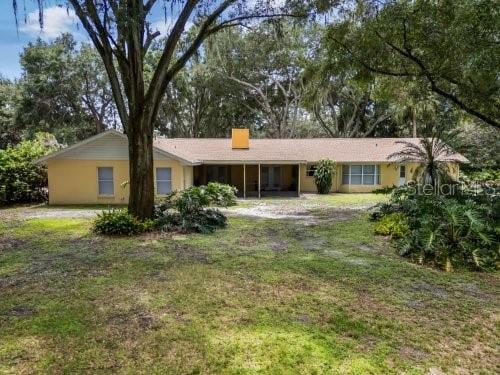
point(206, 150)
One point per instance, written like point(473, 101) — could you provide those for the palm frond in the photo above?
point(431, 153)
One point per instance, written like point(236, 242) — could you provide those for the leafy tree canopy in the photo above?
point(63, 90)
point(9, 133)
point(449, 48)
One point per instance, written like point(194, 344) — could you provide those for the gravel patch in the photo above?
point(307, 210)
point(40, 212)
point(269, 212)
point(302, 211)
point(59, 213)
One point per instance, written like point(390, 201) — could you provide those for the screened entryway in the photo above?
point(279, 180)
point(252, 180)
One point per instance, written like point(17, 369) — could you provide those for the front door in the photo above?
point(402, 175)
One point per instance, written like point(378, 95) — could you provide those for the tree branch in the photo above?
point(407, 52)
point(102, 46)
point(370, 67)
point(160, 77)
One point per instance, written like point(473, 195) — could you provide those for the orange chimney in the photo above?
point(240, 138)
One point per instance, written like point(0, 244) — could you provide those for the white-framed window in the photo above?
point(361, 174)
point(163, 181)
point(311, 169)
point(105, 180)
point(402, 171)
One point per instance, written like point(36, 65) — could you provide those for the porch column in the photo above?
point(244, 181)
point(298, 181)
point(259, 178)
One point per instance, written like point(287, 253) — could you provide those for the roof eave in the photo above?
point(54, 154)
point(240, 162)
point(76, 145)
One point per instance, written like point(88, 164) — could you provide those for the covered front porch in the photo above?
point(252, 180)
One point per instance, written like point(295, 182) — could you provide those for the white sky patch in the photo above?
point(273, 4)
point(164, 27)
point(56, 20)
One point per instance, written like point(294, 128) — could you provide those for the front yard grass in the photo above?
point(351, 199)
point(262, 296)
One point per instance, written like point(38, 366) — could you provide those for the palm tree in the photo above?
point(433, 156)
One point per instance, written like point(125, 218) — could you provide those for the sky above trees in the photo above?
point(57, 20)
point(12, 42)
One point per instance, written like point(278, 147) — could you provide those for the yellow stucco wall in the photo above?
point(389, 176)
point(454, 170)
point(188, 176)
point(75, 181)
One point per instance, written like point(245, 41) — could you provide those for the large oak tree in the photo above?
point(122, 33)
point(448, 48)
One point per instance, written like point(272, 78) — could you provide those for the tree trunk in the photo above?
point(414, 122)
point(99, 126)
point(432, 175)
point(140, 141)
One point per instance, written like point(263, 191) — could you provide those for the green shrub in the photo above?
point(196, 197)
point(168, 220)
point(191, 200)
point(323, 176)
point(188, 210)
point(203, 221)
point(382, 209)
point(384, 190)
point(221, 195)
point(443, 230)
point(394, 225)
point(120, 222)
point(455, 234)
point(488, 174)
point(20, 179)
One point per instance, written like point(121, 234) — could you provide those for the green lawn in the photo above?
point(262, 296)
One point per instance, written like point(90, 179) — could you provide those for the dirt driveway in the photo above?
point(42, 211)
point(309, 209)
point(306, 210)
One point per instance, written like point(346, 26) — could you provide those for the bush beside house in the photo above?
point(189, 210)
point(120, 222)
point(323, 176)
point(20, 180)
